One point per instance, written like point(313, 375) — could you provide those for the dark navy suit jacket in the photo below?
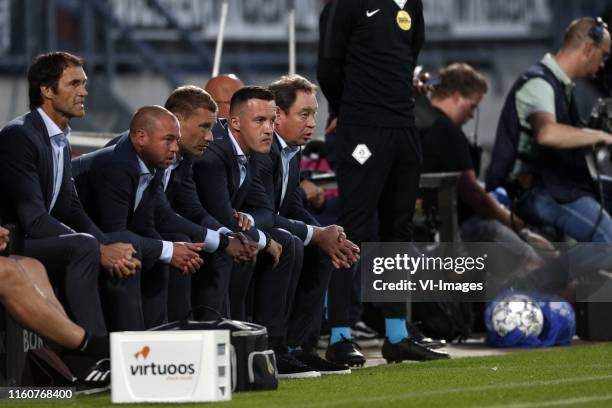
point(181, 192)
point(26, 183)
point(107, 180)
point(217, 178)
point(183, 196)
point(219, 130)
point(290, 215)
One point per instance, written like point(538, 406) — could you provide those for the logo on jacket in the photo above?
point(361, 153)
point(403, 20)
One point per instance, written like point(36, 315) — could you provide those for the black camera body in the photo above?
point(601, 115)
point(599, 157)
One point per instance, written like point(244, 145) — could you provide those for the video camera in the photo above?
point(599, 159)
point(601, 115)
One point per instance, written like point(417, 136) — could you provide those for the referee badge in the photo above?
point(361, 153)
point(403, 20)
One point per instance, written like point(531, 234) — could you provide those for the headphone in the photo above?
point(596, 33)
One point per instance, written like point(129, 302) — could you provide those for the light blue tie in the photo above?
point(58, 160)
point(60, 140)
point(242, 163)
point(286, 158)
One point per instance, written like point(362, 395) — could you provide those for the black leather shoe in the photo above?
point(408, 349)
point(312, 359)
point(345, 352)
point(419, 337)
point(97, 378)
point(289, 367)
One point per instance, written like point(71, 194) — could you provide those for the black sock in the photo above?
point(84, 342)
point(277, 343)
point(98, 346)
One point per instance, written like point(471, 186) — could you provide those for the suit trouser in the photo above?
point(387, 181)
point(211, 285)
point(73, 265)
point(240, 280)
point(179, 285)
point(306, 310)
point(271, 287)
point(137, 302)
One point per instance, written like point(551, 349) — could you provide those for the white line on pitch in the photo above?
point(461, 390)
point(555, 403)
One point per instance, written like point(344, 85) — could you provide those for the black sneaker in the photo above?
point(408, 349)
point(290, 367)
point(419, 337)
point(312, 359)
point(96, 379)
point(323, 342)
point(345, 352)
point(361, 331)
point(365, 336)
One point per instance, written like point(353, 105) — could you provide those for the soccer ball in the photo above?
point(517, 312)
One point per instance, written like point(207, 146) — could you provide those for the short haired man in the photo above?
point(196, 113)
point(446, 149)
point(240, 184)
point(540, 135)
point(227, 176)
point(279, 171)
point(39, 195)
point(121, 186)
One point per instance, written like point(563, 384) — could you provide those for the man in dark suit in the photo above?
point(226, 179)
point(196, 113)
point(39, 195)
point(121, 186)
point(279, 172)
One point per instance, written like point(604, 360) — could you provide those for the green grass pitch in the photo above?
point(556, 377)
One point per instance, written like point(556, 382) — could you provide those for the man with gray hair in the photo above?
point(325, 247)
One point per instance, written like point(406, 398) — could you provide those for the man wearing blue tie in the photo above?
point(39, 195)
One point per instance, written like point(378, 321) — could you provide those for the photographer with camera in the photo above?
point(539, 139)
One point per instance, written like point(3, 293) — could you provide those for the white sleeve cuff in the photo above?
point(262, 240)
point(250, 217)
point(310, 230)
point(211, 240)
point(167, 252)
point(224, 230)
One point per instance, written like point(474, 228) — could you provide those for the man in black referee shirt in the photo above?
point(367, 54)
